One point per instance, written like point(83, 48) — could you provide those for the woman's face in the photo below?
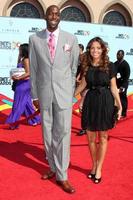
point(96, 50)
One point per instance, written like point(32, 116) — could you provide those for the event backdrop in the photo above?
point(14, 31)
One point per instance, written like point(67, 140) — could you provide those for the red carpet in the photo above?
point(22, 162)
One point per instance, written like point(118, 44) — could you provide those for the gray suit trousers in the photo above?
point(56, 124)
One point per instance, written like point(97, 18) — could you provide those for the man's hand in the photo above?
point(36, 104)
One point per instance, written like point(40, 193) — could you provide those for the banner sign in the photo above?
point(15, 31)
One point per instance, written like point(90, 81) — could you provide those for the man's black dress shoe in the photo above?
point(82, 132)
point(65, 185)
point(123, 116)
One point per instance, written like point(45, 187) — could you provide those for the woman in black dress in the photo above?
point(98, 107)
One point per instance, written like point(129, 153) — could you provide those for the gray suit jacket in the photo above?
point(57, 77)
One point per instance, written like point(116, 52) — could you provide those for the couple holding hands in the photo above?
point(53, 67)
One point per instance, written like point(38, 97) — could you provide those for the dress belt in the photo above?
point(99, 88)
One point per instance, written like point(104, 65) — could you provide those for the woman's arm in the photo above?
point(81, 87)
point(26, 75)
point(78, 78)
point(114, 91)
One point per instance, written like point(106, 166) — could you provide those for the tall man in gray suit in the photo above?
point(53, 61)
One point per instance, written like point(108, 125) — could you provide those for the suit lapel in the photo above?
point(59, 46)
point(44, 46)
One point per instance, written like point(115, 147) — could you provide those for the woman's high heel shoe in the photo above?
point(91, 176)
point(13, 127)
point(97, 180)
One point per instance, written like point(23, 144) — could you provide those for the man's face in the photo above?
point(120, 56)
point(52, 18)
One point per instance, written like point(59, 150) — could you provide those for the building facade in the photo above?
point(116, 12)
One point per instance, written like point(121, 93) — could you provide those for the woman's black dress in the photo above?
point(98, 107)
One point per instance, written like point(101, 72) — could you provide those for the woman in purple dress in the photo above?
point(22, 104)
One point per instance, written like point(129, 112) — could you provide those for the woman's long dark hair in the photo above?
point(24, 50)
point(88, 60)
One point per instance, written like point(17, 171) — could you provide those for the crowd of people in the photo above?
point(56, 69)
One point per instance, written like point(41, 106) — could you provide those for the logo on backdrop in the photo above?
point(122, 36)
point(82, 32)
point(34, 30)
point(9, 45)
point(5, 81)
point(130, 53)
point(7, 66)
point(9, 30)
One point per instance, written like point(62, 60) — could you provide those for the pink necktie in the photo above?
point(51, 44)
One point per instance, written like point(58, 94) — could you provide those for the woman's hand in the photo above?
point(119, 113)
point(80, 87)
point(15, 78)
